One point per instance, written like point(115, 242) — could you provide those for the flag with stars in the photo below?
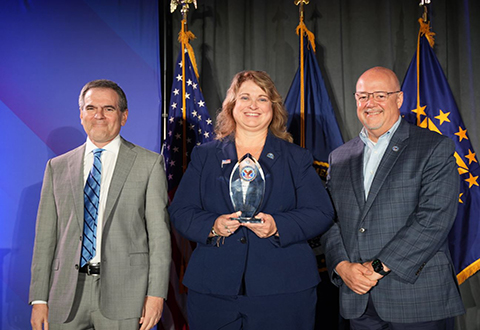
point(184, 130)
point(429, 103)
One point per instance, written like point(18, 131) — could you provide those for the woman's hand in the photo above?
point(264, 229)
point(225, 226)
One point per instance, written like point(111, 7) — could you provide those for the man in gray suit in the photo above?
point(395, 190)
point(110, 272)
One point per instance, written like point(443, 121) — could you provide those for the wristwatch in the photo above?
point(214, 233)
point(378, 267)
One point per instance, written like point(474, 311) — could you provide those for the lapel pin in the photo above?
point(395, 148)
point(270, 155)
point(225, 162)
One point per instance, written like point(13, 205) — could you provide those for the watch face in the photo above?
point(377, 265)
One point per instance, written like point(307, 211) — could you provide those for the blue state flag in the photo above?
point(429, 103)
point(321, 133)
point(184, 131)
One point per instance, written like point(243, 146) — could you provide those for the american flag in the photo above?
point(184, 132)
point(198, 126)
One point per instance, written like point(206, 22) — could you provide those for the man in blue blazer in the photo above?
point(395, 190)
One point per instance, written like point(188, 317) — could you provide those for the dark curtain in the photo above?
point(351, 37)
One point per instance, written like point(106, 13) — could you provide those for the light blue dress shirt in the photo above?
point(373, 153)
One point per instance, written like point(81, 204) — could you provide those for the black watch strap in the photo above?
point(378, 267)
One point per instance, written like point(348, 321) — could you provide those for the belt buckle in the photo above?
point(93, 265)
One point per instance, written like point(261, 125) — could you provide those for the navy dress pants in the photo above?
point(282, 311)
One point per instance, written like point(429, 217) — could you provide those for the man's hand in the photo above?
point(356, 276)
point(152, 312)
point(39, 319)
point(375, 276)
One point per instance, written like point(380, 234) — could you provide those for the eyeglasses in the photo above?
point(377, 96)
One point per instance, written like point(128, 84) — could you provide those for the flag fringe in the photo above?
point(468, 271)
point(302, 28)
point(184, 38)
point(425, 31)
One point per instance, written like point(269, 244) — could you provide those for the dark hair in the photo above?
point(104, 83)
point(225, 124)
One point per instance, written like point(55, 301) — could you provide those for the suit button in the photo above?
point(76, 266)
point(80, 238)
point(243, 240)
point(362, 230)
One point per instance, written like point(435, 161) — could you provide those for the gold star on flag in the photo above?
point(472, 180)
point(443, 117)
point(420, 111)
point(471, 157)
point(460, 198)
point(462, 134)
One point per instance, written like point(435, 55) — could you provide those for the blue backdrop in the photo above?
point(48, 51)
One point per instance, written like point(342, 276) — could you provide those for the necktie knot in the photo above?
point(97, 153)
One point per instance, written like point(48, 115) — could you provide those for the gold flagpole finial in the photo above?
point(185, 5)
point(300, 3)
point(424, 3)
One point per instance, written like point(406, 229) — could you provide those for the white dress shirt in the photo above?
point(373, 154)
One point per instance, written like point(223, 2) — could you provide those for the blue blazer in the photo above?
point(294, 196)
point(404, 222)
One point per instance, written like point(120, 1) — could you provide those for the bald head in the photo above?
point(384, 76)
point(378, 114)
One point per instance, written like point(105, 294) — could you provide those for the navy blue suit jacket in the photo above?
point(404, 222)
point(294, 196)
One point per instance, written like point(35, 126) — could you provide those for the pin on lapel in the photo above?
point(270, 155)
point(395, 148)
point(226, 161)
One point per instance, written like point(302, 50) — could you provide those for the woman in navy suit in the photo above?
point(245, 275)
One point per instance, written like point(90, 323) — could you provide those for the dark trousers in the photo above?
point(281, 311)
point(371, 321)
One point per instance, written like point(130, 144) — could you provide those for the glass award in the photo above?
point(247, 187)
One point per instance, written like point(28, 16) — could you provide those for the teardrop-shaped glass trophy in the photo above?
point(247, 187)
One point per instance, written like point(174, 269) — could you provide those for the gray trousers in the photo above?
point(86, 315)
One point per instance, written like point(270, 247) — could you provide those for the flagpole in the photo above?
point(184, 100)
point(300, 3)
point(184, 38)
point(423, 31)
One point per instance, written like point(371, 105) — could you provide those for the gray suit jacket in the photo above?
point(136, 252)
point(404, 222)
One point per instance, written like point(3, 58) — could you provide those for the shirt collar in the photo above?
point(388, 134)
point(112, 146)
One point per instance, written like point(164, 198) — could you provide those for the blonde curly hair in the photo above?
point(225, 125)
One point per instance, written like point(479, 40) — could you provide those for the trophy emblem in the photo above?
point(247, 188)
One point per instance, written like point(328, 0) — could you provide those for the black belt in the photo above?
point(91, 269)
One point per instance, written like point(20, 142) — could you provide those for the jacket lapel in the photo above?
point(270, 154)
point(395, 148)
point(356, 171)
point(226, 160)
point(76, 181)
point(125, 160)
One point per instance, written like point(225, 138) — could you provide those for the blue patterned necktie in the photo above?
point(91, 195)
